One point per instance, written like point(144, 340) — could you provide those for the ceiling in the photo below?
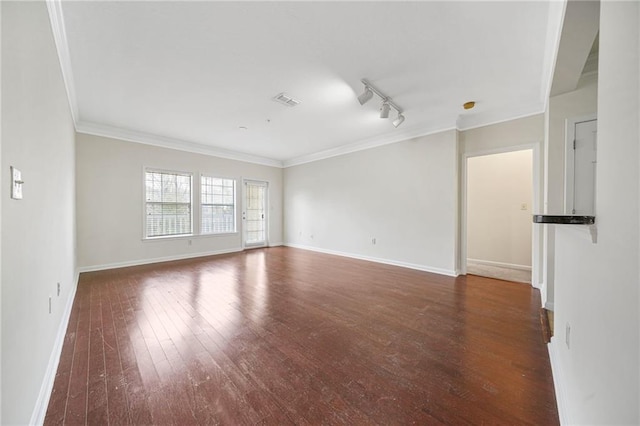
point(192, 74)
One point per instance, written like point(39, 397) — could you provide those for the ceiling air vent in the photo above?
point(285, 100)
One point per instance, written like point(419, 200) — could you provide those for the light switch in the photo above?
point(16, 183)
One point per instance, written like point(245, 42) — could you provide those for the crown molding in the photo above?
point(171, 143)
point(464, 122)
point(555, 22)
point(467, 122)
point(474, 121)
point(365, 144)
point(62, 46)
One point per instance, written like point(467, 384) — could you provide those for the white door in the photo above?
point(581, 186)
point(254, 214)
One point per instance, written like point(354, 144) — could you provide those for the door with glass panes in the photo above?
point(254, 214)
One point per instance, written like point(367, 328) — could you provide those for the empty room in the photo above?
point(291, 212)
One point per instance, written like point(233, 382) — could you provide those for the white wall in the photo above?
point(498, 229)
point(110, 195)
point(579, 103)
point(404, 195)
point(501, 136)
point(597, 285)
point(38, 237)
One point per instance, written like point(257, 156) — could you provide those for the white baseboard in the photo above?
point(558, 382)
point(93, 268)
point(42, 403)
point(543, 293)
point(548, 306)
point(540, 287)
point(500, 264)
point(425, 268)
point(276, 244)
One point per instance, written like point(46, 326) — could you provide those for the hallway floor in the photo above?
point(501, 273)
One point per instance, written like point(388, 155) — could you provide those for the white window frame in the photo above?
point(202, 205)
point(145, 202)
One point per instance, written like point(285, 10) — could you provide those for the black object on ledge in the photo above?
point(564, 219)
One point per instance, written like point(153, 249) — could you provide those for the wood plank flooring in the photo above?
point(286, 336)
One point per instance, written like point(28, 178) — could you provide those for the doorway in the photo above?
point(499, 205)
point(580, 168)
point(254, 214)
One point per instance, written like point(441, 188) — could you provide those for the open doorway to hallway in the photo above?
point(499, 207)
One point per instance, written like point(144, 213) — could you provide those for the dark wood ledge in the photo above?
point(564, 219)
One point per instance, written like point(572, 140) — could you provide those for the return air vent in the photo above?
point(286, 100)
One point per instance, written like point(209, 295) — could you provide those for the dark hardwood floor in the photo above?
point(287, 336)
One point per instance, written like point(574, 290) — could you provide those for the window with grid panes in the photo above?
point(218, 205)
point(168, 204)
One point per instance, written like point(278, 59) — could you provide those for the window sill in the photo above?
point(221, 234)
point(187, 237)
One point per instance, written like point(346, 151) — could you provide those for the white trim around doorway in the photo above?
point(536, 237)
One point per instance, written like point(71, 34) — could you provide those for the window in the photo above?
point(218, 203)
point(168, 204)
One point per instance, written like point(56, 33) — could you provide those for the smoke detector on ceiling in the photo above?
point(285, 100)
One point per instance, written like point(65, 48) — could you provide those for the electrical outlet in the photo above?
point(190, 242)
point(523, 206)
point(311, 236)
point(567, 336)
point(373, 241)
point(58, 289)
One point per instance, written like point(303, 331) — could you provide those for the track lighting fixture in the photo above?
point(398, 121)
point(387, 103)
point(366, 96)
point(384, 109)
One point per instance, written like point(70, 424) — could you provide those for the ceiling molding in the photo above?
point(165, 142)
point(465, 122)
point(555, 23)
point(363, 145)
point(62, 46)
point(474, 121)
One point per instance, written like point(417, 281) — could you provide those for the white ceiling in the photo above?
point(191, 73)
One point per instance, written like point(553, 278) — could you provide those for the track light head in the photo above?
point(366, 96)
point(384, 109)
point(398, 121)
